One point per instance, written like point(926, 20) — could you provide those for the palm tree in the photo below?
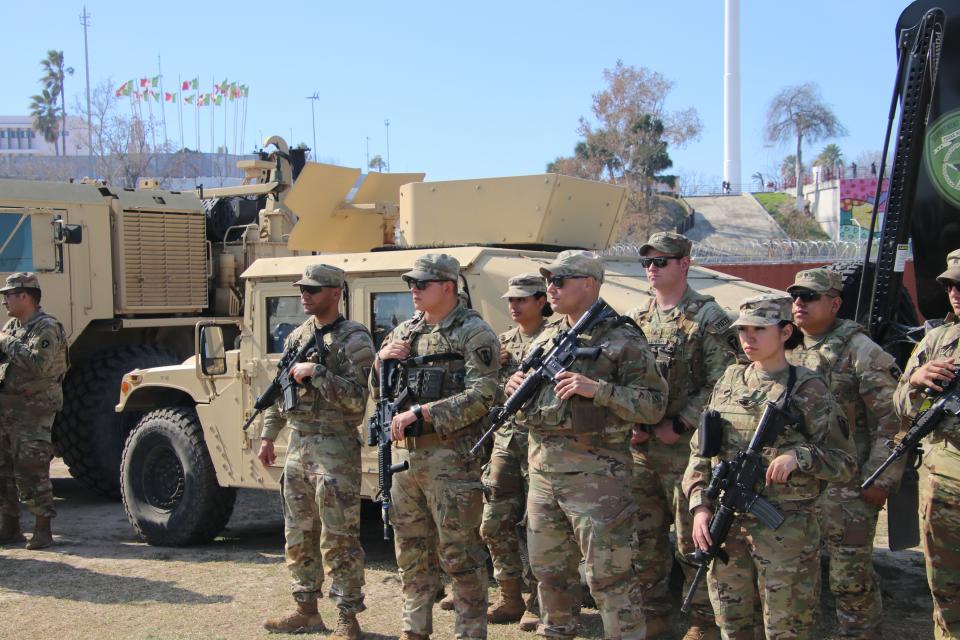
point(52, 80)
point(797, 113)
point(759, 178)
point(43, 108)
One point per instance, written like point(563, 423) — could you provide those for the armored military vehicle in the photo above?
point(188, 454)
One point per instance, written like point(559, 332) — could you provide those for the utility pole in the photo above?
point(85, 21)
point(313, 116)
point(386, 123)
point(367, 166)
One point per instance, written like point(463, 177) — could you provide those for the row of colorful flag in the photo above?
point(145, 89)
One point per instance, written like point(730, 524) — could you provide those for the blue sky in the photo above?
point(471, 90)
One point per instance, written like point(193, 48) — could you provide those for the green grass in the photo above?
point(796, 224)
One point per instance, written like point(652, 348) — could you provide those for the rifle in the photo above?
point(378, 427)
point(282, 383)
point(947, 402)
point(547, 366)
point(736, 480)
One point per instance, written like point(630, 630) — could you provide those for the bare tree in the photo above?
point(799, 112)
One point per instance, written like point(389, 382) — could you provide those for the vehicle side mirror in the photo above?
point(71, 233)
point(213, 354)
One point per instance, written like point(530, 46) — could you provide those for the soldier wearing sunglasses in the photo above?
point(438, 500)
point(694, 342)
point(862, 378)
point(580, 498)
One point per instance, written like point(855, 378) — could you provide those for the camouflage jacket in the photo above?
point(516, 343)
point(33, 362)
point(863, 378)
point(824, 452)
point(465, 388)
point(694, 343)
point(940, 343)
point(333, 400)
point(593, 435)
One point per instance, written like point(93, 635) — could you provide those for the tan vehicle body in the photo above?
point(429, 214)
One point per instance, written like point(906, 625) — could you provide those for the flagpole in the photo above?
point(213, 123)
point(180, 106)
point(243, 124)
point(163, 103)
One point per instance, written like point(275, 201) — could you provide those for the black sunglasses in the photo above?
point(660, 261)
point(419, 285)
point(558, 281)
point(806, 296)
point(305, 288)
point(950, 284)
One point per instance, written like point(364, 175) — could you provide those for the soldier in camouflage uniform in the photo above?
point(863, 378)
point(33, 361)
point(694, 343)
point(933, 362)
point(779, 568)
point(505, 476)
point(321, 475)
point(580, 498)
point(438, 501)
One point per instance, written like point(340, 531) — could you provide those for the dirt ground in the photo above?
point(100, 581)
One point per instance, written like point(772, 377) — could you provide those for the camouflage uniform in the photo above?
point(779, 568)
point(33, 362)
point(694, 344)
point(505, 477)
point(940, 492)
point(321, 474)
point(580, 473)
point(438, 501)
point(863, 378)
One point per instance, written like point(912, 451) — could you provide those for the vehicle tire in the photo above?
point(168, 483)
point(88, 433)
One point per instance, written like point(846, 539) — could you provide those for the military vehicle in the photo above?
point(129, 272)
point(187, 455)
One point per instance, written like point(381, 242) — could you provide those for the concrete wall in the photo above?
point(823, 200)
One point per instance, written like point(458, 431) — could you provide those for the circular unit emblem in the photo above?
point(941, 155)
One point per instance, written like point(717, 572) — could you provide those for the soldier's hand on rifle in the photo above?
point(665, 433)
point(504, 356)
point(266, 454)
point(781, 467)
point(701, 528)
point(302, 370)
point(400, 423)
point(574, 384)
point(877, 496)
point(394, 350)
point(933, 374)
point(514, 382)
point(639, 435)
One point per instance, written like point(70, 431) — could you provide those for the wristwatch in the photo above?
point(417, 411)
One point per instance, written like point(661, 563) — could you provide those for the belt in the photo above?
point(426, 441)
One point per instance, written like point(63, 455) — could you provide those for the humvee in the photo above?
point(187, 454)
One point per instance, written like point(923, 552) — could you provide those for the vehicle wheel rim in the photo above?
point(163, 478)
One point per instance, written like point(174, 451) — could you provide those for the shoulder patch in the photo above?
point(485, 354)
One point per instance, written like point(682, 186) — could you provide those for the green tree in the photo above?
point(789, 169)
point(831, 157)
point(53, 76)
point(377, 163)
point(799, 113)
point(45, 114)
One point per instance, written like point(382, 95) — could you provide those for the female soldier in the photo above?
point(780, 567)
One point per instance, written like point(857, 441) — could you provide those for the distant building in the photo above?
point(19, 138)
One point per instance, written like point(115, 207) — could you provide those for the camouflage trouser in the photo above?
point(658, 470)
point(504, 502)
point(25, 454)
point(940, 513)
point(779, 568)
point(848, 525)
point(321, 512)
point(437, 505)
point(573, 513)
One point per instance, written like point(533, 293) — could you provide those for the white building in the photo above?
point(19, 138)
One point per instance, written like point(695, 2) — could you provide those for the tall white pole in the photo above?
point(731, 93)
point(85, 21)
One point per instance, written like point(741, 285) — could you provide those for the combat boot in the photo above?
point(447, 603)
point(659, 627)
point(10, 529)
point(306, 620)
point(347, 627)
point(41, 537)
point(510, 606)
point(529, 621)
point(705, 632)
point(410, 635)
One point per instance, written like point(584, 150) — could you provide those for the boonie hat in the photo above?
point(525, 285)
point(766, 310)
point(574, 262)
point(21, 280)
point(321, 275)
point(434, 266)
point(668, 242)
point(819, 281)
point(952, 274)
